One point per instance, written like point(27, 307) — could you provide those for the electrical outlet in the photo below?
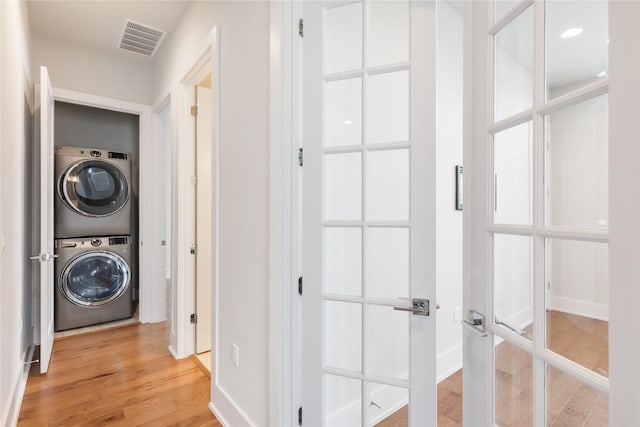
point(235, 357)
point(456, 314)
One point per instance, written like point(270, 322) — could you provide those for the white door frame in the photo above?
point(623, 87)
point(285, 108)
point(151, 289)
point(183, 210)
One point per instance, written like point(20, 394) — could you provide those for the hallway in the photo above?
point(122, 376)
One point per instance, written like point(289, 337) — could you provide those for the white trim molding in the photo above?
point(151, 291)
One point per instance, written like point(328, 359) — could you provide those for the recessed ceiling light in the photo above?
point(602, 73)
point(571, 32)
point(348, 122)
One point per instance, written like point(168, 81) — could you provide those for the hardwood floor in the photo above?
point(126, 377)
point(118, 377)
point(571, 403)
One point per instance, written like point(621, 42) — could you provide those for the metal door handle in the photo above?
point(44, 257)
point(475, 323)
point(513, 329)
point(419, 307)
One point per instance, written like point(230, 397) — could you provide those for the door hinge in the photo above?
point(194, 180)
point(300, 285)
point(300, 416)
point(301, 27)
point(194, 110)
point(300, 156)
point(193, 318)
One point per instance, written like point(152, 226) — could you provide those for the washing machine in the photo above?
point(93, 281)
point(93, 192)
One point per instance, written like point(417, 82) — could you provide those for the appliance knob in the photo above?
point(96, 242)
point(95, 153)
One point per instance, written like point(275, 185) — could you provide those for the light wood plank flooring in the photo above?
point(570, 402)
point(118, 377)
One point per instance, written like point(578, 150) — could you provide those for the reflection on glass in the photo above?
point(343, 335)
point(577, 173)
point(343, 186)
point(388, 341)
point(343, 261)
point(514, 385)
point(337, 391)
point(573, 403)
point(388, 40)
point(343, 113)
point(388, 185)
point(388, 262)
point(577, 49)
point(513, 78)
point(343, 38)
point(388, 405)
point(388, 107)
point(512, 175)
point(512, 283)
point(577, 276)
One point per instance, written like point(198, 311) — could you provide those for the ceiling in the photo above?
point(570, 61)
point(97, 24)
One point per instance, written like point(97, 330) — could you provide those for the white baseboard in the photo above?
point(11, 411)
point(579, 307)
point(173, 353)
point(449, 362)
point(226, 409)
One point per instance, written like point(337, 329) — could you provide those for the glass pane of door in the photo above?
point(514, 385)
point(571, 30)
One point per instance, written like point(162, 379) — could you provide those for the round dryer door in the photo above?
point(95, 278)
point(94, 188)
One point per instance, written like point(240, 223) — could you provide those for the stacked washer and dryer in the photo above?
point(93, 231)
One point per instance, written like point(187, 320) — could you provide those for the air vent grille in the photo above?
point(140, 38)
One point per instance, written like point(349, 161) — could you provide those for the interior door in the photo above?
point(537, 214)
point(204, 217)
point(368, 346)
point(46, 256)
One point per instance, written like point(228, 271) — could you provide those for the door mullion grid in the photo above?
point(365, 217)
point(539, 308)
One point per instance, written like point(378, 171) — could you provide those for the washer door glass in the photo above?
point(95, 278)
point(94, 188)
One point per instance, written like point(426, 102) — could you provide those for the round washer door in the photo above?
point(94, 188)
point(95, 278)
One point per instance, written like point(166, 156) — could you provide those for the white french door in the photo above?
point(368, 346)
point(551, 258)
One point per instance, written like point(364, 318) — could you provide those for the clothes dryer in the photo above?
point(93, 281)
point(93, 190)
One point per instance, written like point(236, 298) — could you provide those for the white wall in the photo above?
point(15, 121)
point(85, 70)
point(244, 187)
point(512, 166)
point(578, 196)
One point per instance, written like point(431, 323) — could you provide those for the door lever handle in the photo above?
point(44, 257)
point(513, 329)
point(419, 307)
point(475, 323)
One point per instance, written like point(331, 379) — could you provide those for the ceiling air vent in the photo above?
point(140, 38)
